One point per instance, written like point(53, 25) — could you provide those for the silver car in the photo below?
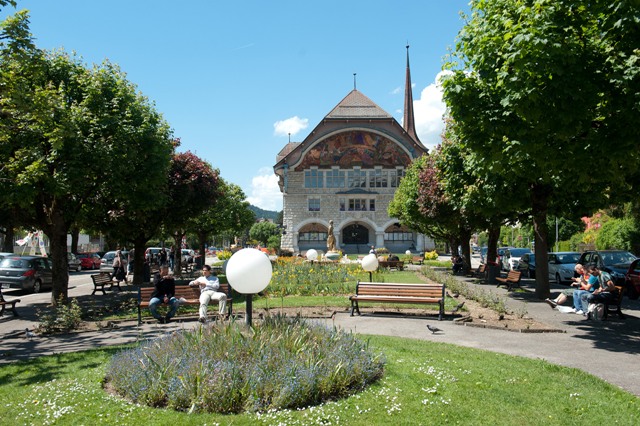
point(31, 273)
point(561, 265)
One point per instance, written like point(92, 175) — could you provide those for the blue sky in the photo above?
point(234, 78)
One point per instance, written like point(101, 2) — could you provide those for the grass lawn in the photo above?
point(425, 383)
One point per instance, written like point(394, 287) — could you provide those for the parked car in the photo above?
point(615, 262)
point(633, 280)
point(31, 273)
point(501, 251)
point(562, 265)
point(188, 255)
point(89, 260)
point(74, 262)
point(107, 259)
point(527, 265)
point(3, 255)
point(511, 257)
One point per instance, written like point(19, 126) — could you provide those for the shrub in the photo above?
point(617, 234)
point(223, 254)
point(431, 255)
point(284, 363)
point(64, 317)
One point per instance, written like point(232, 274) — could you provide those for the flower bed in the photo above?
point(281, 363)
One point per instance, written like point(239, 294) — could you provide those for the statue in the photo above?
point(331, 240)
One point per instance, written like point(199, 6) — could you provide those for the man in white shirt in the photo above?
point(209, 285)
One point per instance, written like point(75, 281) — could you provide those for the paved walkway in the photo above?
point(588, 345)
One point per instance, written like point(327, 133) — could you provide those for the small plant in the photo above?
point(64, 317)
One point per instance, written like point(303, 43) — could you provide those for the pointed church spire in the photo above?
point(408, 122)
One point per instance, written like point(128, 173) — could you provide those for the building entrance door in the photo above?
point(355, 234)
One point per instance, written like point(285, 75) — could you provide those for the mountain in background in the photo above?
point(265, 214)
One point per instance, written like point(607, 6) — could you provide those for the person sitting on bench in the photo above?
point(209, 285)
point(165, 290)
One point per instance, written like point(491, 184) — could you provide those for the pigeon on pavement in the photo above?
point(457, 308)
point(432, 329)
point(29, 334)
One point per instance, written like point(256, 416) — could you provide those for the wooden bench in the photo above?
point(614, 305)
point(5, 303)
point(390, 264)
point(102, 279)
point(480, 271)
point(398, 293)
point(512, 280)
point(417, 260)
point(190, 296)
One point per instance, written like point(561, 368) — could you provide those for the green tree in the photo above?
point(537, 92)
point(193, 187)
point(261, 231)
point(229, 215)
point(57, 114)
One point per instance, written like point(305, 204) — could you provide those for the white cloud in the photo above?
point(290, 126)
point(265, 192)
point(428, 112)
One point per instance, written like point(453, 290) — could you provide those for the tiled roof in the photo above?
point(286, 150)
point(357, 105)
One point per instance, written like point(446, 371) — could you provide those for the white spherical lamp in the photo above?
point(249, 271)
point(408, 252)
point(370, 264)
point(312, 254)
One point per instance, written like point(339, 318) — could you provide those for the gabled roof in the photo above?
point(357, 105)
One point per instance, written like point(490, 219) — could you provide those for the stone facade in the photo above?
point(347, 170)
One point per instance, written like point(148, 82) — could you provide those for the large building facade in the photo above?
point(347, 170)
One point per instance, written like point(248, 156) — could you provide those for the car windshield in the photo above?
point(616, 257)
point(568, 258)
point(519, 252)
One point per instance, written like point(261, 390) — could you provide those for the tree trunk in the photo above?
point(75, 235)
point(8, 238)
point(492, 243)
point(57, 232)
point(139, 243)
point(465, 237)
point(540, 202)
point(202, 241)
point(177, 244)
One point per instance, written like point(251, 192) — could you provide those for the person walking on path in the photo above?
point(209, 286)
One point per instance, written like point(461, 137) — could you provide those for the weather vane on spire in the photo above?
point(354, 81)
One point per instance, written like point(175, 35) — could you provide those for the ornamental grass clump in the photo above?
point(283, 363)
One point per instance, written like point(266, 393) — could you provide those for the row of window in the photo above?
point(347, 204)
point(388, 236)
point(356, 178)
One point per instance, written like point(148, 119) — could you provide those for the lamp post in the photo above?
point(370, 264)
point(249, 272)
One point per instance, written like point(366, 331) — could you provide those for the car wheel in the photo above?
point(558, 280)
point(37, 286)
